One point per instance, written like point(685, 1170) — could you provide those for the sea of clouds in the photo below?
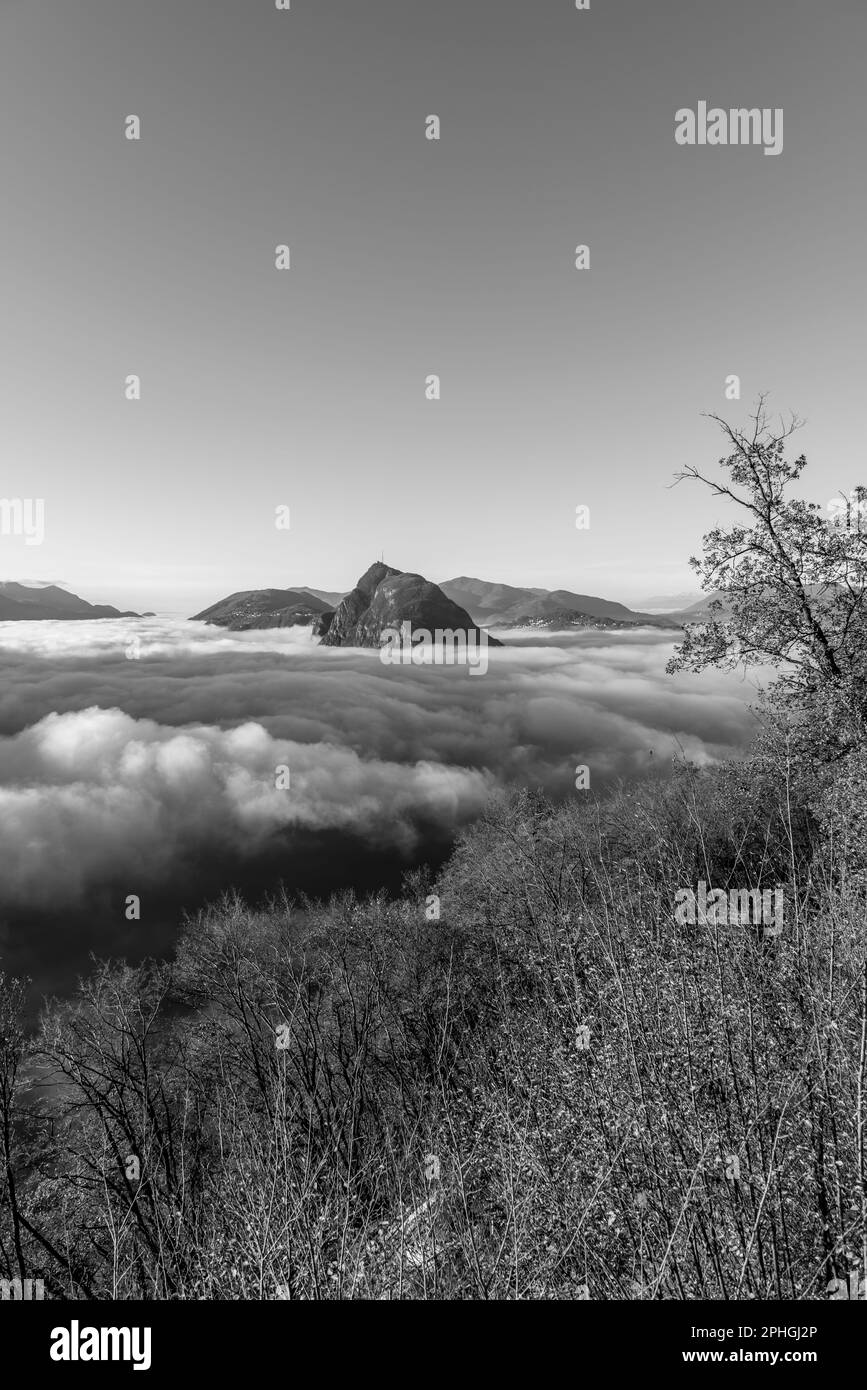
point(125, 769)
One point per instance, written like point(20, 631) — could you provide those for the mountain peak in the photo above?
point(385, 598)
point(374, 576)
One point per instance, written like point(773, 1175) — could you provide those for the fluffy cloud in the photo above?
point(96, 793)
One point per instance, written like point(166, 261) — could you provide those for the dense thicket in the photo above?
point(539, 1093)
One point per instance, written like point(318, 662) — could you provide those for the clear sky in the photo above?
point(306, 388)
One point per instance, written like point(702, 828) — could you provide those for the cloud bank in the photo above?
point(129, 748)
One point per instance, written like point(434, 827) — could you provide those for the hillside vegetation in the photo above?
point(434, 1122)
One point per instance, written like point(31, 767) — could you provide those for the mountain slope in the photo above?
point(29, 603)
point(701, 611)
point(671, 603)
point(566, 619)
point(260, 608)
point(330, 597)
point(503, 605)
point(480, 598)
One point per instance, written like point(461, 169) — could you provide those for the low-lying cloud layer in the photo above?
point(98, 792)
point(126, 748)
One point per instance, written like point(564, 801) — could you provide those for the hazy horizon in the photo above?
point(673, 601)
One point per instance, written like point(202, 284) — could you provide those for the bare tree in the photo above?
point(790, 582)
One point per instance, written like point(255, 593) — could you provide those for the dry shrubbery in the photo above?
point(304, 1170)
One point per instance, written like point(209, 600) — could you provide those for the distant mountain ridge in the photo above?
point(330, 596)
point(702, 612)
point(464, 603)
point(670, 603)
point(384, 597)
point(503, 605)
point(29, 603)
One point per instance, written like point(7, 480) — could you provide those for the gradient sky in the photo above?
point(306, 387)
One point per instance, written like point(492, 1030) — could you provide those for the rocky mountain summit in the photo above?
point(386, 598)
